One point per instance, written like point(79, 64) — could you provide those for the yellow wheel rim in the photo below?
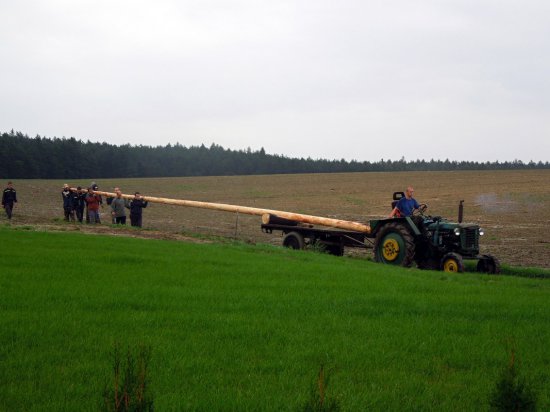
point(390, 249)
point(450, 265)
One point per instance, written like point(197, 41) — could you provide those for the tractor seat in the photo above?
point(396, 197)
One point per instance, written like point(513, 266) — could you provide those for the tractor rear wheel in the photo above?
point(452, 263)
point(294, 240)
point(394, 245)
point(488, 264)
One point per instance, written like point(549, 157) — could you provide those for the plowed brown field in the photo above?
point(512, 206)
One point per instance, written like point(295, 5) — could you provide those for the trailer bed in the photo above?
point(333, 240)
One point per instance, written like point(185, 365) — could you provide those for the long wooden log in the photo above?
point(298, 217)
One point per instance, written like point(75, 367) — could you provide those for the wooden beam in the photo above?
point(298, 217)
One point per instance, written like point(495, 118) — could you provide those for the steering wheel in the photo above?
point(421, 209)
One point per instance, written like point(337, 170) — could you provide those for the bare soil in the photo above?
point(512, 206)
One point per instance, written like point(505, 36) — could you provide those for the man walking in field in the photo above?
point(9, 197)
point(406, 205)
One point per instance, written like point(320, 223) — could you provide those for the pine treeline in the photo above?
point(22, 157)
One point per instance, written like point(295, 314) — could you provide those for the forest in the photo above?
point(24, 157)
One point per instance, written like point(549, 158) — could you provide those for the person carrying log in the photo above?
point(94, 187)
point(92, 200)
point(68, 203)
point(79, 202)
point(136, 206)
point(109, 200)
point(118, 205)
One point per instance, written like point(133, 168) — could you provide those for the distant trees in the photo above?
point(23, 157)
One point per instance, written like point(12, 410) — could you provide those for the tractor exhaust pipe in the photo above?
point(461, 211)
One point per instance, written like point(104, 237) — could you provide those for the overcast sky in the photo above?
point(365, 80)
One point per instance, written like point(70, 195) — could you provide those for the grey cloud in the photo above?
point(353, 79)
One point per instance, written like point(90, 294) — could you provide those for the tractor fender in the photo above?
point(376, 225)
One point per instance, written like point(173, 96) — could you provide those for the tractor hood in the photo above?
point(464, 236)
point(444, 224)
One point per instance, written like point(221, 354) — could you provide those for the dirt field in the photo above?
point(512, 206)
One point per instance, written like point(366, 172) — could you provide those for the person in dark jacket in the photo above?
point(136, 206)
point(68, 206)
point(9, 197)
point(79, 202)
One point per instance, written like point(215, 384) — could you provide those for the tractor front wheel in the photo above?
point(394, 245)
point(452, 263)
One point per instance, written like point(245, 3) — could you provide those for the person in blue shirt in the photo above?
point(406, 205)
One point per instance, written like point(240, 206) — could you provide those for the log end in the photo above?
point(268, 218)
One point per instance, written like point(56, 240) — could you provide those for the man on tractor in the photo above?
point(406, 205)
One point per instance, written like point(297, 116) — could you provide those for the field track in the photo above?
point(512, 206)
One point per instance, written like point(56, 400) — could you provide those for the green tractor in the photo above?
point(431, 242)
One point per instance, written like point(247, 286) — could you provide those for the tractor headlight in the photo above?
point(457, 231)
point(481, 232)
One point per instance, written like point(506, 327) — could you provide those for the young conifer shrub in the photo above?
point(512, 393)
point(318, 400)
point(129, 390)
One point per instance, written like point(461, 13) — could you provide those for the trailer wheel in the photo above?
point(335, 250)
point(452, 263)
point(294, 240)
point(488, 264)
point(394, 245)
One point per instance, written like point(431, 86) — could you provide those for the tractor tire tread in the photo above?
point(407, 238)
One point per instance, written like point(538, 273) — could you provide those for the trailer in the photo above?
point(299, 236)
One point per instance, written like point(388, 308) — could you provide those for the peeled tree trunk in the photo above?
point(298, 217)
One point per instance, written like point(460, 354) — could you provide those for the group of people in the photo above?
point(80, 203)
point(119, 205)
point(73, 203)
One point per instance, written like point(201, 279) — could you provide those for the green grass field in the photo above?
point(235, 327)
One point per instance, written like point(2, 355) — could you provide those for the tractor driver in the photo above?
point(406, 205)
